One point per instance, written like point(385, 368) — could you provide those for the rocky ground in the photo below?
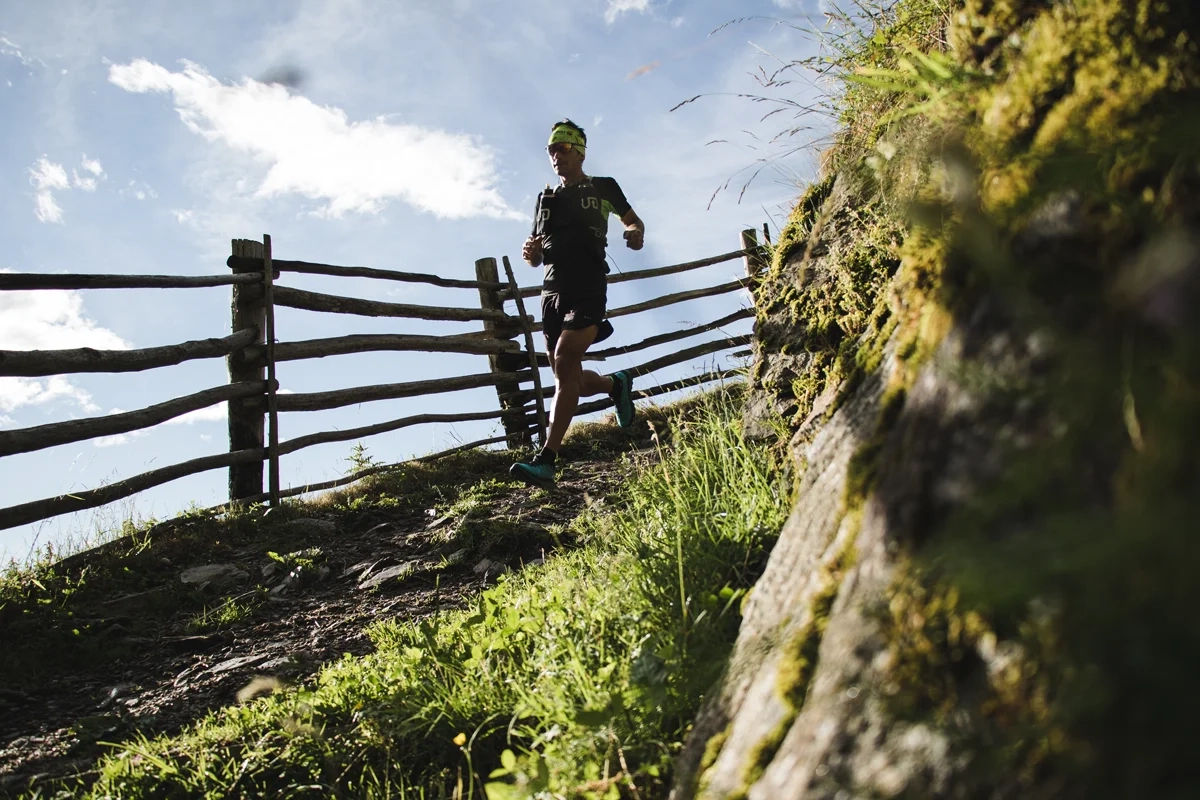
point(161, 668)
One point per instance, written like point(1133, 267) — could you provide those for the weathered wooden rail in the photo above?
point(252, 353)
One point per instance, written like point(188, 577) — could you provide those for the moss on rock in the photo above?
point(823, 304)
point(1061, 193)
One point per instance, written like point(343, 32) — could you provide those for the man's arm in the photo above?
point(635, 230)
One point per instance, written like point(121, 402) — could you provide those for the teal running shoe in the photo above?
point(622, 395)
point(536, 473)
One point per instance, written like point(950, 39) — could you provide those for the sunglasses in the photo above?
point(560, 147)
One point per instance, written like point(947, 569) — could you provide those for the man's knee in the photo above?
point(566, 363)
point(571, 346)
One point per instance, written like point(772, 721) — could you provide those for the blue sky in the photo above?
point(141, 137)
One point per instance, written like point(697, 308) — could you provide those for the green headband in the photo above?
point(568, 135)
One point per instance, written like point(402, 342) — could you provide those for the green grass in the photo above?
point(579, 677)
point(56, 611)
point(224, 615)
point(54, 608)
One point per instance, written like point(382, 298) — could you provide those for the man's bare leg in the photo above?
point(590, 382)
point(571, 381)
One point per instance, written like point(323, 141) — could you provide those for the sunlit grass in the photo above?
point(578, 677)
point(224, 615)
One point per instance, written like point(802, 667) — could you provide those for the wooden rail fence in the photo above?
point(252, 353)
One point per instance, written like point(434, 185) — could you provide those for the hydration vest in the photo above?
point(574, 220)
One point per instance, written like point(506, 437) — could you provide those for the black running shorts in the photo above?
point(567, 313)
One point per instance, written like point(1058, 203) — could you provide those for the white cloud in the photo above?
point(46, 320)
point(316, 152)
point(618, 7)
point(45, 176)
point(676, 22)
point(182, 215)
point(139, 191)
point(116, 439)
point(46, 208)
point(18, 392)
point(50, 320)
point(10, 48)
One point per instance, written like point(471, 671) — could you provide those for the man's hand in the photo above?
point(532, 251)
point(634, 238)
point(635, 230)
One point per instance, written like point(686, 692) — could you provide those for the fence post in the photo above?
point(754, 262)
point(516, 423)
point(247, 415)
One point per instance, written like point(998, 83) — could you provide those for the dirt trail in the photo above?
point(169, 678)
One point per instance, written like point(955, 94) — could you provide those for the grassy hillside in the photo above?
point(1025, 168)
point(578, 676)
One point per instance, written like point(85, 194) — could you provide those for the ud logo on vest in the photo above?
point(590, 202)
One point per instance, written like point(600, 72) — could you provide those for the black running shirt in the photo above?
point(573, 223)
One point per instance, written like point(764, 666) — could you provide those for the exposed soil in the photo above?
point(159, 674)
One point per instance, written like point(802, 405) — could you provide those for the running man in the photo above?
point(569, 237)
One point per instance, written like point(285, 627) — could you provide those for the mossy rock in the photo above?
point(1039, 520)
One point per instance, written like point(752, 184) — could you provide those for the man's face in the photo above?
point(566, 159)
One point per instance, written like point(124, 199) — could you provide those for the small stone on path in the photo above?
point(488, 567)
point(215, 574)
point(276, 663)
point(439, 522)
point(229, 665)
point(362, 566)
point(398, 571)
point(115, 693)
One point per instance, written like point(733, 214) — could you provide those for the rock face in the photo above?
point(755, 722)
point(804, 711)
point(993, 411)
point(811, 311)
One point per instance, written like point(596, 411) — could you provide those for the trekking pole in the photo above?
point(527, 328)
